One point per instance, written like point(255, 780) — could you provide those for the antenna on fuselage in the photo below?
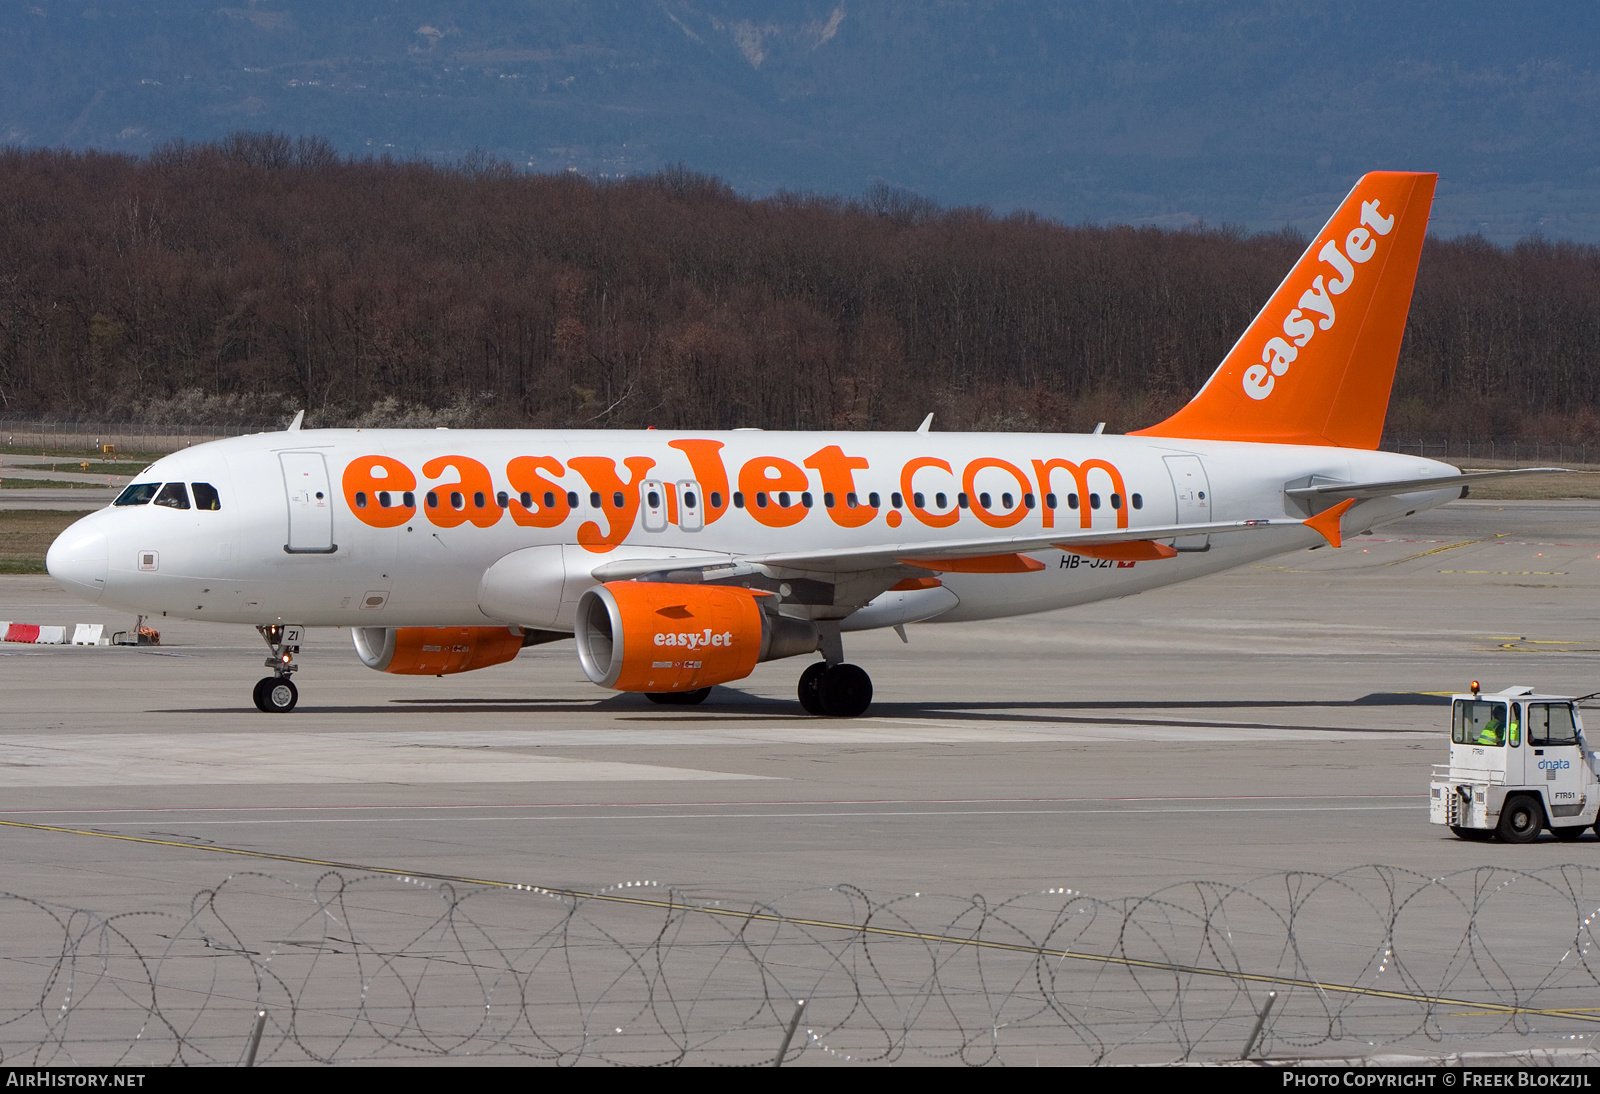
point(294, 426)
point(926, 423)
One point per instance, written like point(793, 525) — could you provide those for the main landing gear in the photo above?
point(276, 694)
point(831, 688)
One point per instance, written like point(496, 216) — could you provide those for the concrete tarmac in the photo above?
point(1281, 717)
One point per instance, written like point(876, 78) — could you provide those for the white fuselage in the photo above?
point(274, 551)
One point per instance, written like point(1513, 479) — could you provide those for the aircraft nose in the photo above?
point(78, 559)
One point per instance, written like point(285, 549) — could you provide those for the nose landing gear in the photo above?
point(831, 688)
point(276, 694)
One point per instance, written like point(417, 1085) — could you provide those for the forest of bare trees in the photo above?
point(238, 281)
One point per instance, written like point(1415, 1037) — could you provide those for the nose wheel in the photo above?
point(835, 691)
point(276, 694)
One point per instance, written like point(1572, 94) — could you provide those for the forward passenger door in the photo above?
point(305, 481)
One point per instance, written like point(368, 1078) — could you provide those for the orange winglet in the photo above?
point(983, 564)
point(1326, 523)
point(1137, 550)
point(911, 584)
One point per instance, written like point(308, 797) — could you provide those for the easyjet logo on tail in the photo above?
point(1316, 364)
point(1299, 327)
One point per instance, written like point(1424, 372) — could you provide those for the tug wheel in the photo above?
point(1521, 820)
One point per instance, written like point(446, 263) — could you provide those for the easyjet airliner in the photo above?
point(679, 560)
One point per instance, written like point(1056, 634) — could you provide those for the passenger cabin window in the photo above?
point(174, 496)
point(206, 496)
point(139, 493)
point(1138, 501)
point(1479, 722)
point(1551, 724)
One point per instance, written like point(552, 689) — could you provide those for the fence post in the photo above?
point(794, 1024)
point(255, 1037)
point(1261, 1020)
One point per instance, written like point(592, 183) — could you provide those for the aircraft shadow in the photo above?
point(728, 704)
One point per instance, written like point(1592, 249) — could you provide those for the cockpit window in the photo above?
point(139, 493)
point(206, 496)
point(174, 496)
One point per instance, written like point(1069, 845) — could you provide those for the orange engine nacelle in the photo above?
point(435, 651)
point(653, 636)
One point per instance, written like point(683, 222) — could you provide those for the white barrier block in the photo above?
point(90, 634)
point(52, 636)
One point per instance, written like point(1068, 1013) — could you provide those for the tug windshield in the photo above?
point(1479, 722)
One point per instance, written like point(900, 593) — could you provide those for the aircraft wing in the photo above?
point(1363, 490)
point(882, 555)
point(879, 555)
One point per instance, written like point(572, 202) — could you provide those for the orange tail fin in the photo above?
point(1316, 365)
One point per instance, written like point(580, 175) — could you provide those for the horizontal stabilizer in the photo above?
point(1364, 490)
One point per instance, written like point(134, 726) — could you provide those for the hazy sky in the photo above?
point(1120, 110)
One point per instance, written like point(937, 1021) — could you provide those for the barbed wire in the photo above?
point(352, 967)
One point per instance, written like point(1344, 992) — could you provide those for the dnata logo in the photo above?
point(695, 640)
point(1554, 765)
point(1299, 328)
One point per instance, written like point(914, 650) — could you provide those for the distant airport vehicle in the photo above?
point(1518, 764)
point(681, 560)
